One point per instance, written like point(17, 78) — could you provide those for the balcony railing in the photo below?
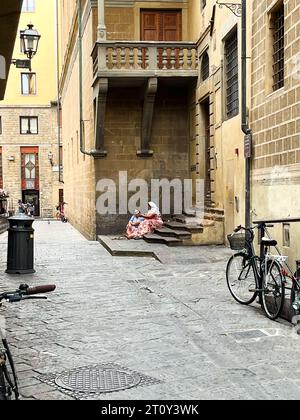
point(123, 58)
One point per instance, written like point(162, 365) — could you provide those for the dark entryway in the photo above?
point(32, 196)
point(204, 107)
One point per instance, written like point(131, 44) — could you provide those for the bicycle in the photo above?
point(8, 375)
point(250, 276)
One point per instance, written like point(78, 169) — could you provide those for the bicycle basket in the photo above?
point(237, 241)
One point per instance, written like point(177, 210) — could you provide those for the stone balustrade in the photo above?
point(158, 58)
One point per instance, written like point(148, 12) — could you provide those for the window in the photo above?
point(232, 75)
point(30, 168)
point(277, 28)
point(205, 66)
point(0, 125)
point(28, 83)
point(28, 6)
point(28, 125)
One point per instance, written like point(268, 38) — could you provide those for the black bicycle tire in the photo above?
point(293, 295)
point(3, 393)
point(263, 300)
point(246, 303)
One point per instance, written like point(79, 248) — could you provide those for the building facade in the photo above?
point(29, 143)
point(159, 97)
point(275, 118)
point(155, 89)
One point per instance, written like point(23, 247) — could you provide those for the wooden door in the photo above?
point(161, 25)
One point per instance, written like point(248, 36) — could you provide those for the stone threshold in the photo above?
point(128, 248)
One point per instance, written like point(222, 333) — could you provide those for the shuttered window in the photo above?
point(232, 75)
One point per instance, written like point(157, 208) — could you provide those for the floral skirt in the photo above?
point(145, 227)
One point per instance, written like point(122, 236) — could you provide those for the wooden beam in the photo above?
point(150, 94)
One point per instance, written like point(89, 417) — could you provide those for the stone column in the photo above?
point(101, 30)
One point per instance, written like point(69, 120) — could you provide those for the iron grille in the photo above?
point(278, 49)
point(232, 75)
point(205, 66)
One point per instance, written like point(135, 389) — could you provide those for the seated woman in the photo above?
point(152, 221)
point(133, 224)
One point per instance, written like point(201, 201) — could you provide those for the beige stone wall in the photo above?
point(275, 116)
point(226, 161)
point(79, 179)
point(119, 23)
point(275, 119)
point(46, 139)
point(170, 142)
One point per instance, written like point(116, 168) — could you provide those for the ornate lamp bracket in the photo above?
point(235, 8)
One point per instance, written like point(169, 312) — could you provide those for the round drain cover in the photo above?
point(97, 379)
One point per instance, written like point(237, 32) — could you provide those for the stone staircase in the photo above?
point(189, 229)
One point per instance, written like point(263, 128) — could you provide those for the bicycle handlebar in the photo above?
point(251, 229)
point(40, 289)
point(26, 292)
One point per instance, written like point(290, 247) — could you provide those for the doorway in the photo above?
point(205, 123)
point(32, 196)
point(161, 25)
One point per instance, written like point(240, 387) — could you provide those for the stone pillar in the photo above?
point(101, 30)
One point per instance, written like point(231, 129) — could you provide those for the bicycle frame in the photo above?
point(259, 263)
point(7, 357)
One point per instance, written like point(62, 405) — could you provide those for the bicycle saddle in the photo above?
point(269, 242)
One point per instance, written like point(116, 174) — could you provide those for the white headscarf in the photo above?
point(154, 208)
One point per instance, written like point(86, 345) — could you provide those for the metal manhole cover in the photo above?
point(97, 379)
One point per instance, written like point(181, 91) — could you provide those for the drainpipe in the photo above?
point(58, 97)
point(81, 122)
point(245, 124)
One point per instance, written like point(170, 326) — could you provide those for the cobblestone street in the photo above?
point(174, 322)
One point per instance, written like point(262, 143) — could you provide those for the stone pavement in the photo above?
point(175, 322)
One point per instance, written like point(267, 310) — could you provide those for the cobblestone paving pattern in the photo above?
point(175, 322)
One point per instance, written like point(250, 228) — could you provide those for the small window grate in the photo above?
point(278, 49)
point(232, 76)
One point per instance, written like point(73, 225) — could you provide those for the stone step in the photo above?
point(179, 234)
point(187, 220)
point(158, 239)
point(209, 209)
point(179, 226)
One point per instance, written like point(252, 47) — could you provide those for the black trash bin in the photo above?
point(20, 245)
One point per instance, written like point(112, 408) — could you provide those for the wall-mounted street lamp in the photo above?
point(29, 45)
point(50, 157)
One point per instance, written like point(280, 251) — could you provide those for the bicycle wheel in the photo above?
point(241, 279)
point(273, 291)
point(294, 293)
point(5, 392)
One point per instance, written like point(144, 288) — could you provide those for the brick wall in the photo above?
point(119, 23)
point(276, 116)
point(46, 140)
point(170, 142)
